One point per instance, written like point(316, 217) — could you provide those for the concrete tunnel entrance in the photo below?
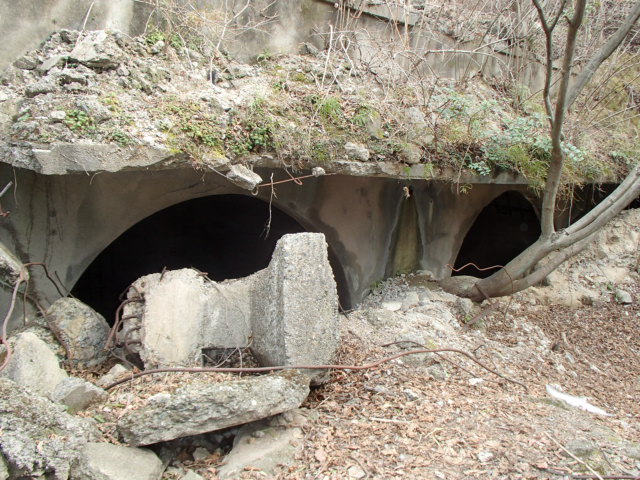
point(503, 229)
point(223, 235)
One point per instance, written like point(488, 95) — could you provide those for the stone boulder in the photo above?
point(77, 394)
point(104, 461)
point(38, 437)
point(99, 50)
point(33, 364)
point(201, 407)
point(81, 330)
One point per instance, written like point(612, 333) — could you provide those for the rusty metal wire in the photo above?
point(367, 366)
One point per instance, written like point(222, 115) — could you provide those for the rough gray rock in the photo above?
point(81, 330)
point(33, 364)
point(77, 394)
point(356, 151)
point(37, 435)
point(262, 446)
point(104, 461)
point(204, 407)
point(10, 266)
point(295, 307)
point(191, 475)
point(46, 85)
point(98, 50)
point(112, 375)
point(623, 297)
point(243, 177)
point(267, 443)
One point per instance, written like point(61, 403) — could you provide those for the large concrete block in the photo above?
point(295, 308)
point(183, 313)
point(203, 407)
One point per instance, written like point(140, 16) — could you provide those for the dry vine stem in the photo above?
point(367, 366)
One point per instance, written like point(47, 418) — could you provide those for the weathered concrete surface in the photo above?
point(294, 313)
point(33, 364)
point(77, 394)
point(183, 313)
point(81, 331)
point(37, 435)
point(204, 407)
point(103, 461)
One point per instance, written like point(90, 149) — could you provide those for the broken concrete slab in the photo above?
point(105, 461)
point(38, 437)
point(81, 330)
point(243, 177)
point(295, 309)
point(262, 445)
point(183, 313)
point(77, 394)
point(10, 266)
point(99, 50)
point(33, 364)
point(201, 407)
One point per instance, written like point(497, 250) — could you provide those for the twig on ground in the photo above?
point(596, 475)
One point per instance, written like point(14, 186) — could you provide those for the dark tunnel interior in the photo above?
point(223, 235)
point(503, 229)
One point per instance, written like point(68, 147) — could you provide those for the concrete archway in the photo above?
point(226, 236)
point(503, 229)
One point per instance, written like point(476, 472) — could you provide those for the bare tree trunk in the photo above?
point(553, 248)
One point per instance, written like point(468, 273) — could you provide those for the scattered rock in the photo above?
point(37, 435)
point(58, 115)
point(26, 62)
point(112, 375)
point(411, 300)
point(410, 153)
point(33, 364)
point(77, 394)
point(213, 406)
point(392, 306)
point(262, 446)
point(191, 475)
point(623, 297)
point(115, 462)
point(46, 85)
point(243, 177)
point(356, 472)
point(98, 50)
point(51, 62)
point(357, 151)
point(10, 266)
point(81, 330)
point(485, 456)
point(582, 448)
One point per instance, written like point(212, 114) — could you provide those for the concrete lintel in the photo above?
point(395, 13)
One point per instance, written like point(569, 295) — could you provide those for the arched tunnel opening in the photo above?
point(504, 228)
point(226, 236)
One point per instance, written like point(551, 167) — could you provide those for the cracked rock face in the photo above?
point(201, 407)
point(38, 437)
